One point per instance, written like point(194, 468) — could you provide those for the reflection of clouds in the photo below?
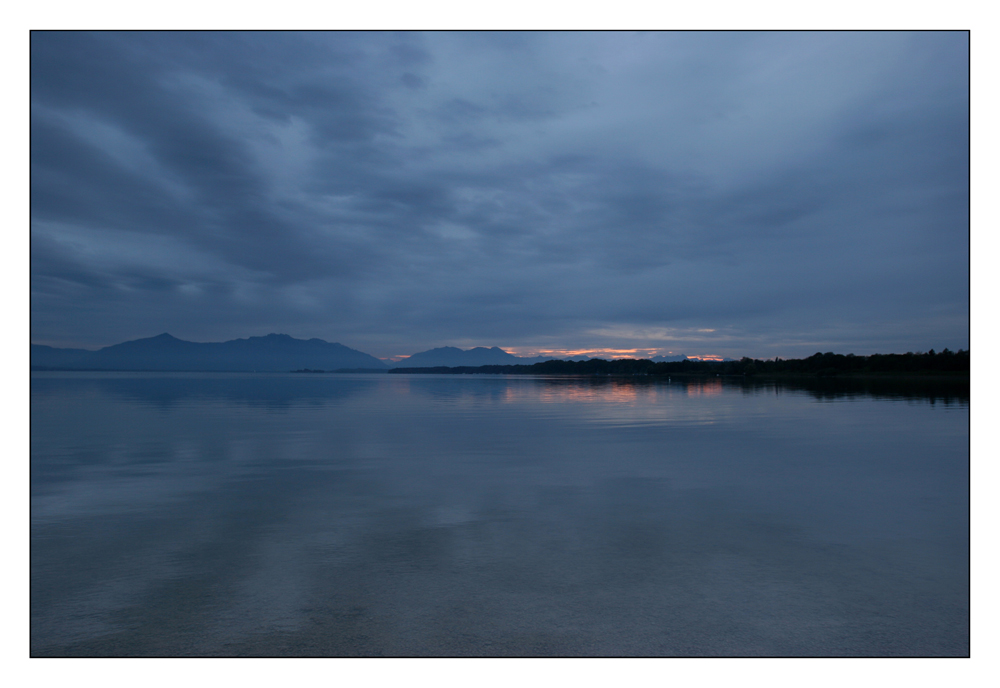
point(508, 515)
point(94, 492)
point(559, 391)
point(619, 401)
point(277, 391)
point(615, 392)
point(272, 596)
point(452, 515)
point(707, 387)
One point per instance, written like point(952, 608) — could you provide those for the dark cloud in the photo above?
point(731, 193)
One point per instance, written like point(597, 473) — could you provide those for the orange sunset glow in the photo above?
point(605, 353)
point(616, 391)
point(704, 388)
point(602, 353)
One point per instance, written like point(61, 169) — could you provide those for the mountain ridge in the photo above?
point(453, 356)
point(164, 352)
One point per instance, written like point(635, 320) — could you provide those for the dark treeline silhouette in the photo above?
point(820, 365)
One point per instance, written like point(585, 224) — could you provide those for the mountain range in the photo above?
point(453, 357)
point(274, 352)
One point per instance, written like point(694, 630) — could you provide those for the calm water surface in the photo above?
point(231, 514)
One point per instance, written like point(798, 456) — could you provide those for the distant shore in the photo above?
point(930, 365)
point(946, 366)
point(917, 376)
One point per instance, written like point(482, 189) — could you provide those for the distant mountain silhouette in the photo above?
point(275, 352)
point(453, 356)
point(50, 357)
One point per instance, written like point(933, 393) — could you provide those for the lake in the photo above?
point(219, 514)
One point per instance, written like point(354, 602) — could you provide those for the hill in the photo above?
point(452, 356)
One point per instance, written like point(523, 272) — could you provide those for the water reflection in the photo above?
point(703, 387)
point(615, 391)
point(401, 515)
point(933, 390)
point(167, 390)
point(279, 390)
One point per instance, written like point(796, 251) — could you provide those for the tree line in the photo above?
point(827, 364)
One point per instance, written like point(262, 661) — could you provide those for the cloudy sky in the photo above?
point(762, 194)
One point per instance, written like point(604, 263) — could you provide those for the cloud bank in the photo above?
point(705, 193)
